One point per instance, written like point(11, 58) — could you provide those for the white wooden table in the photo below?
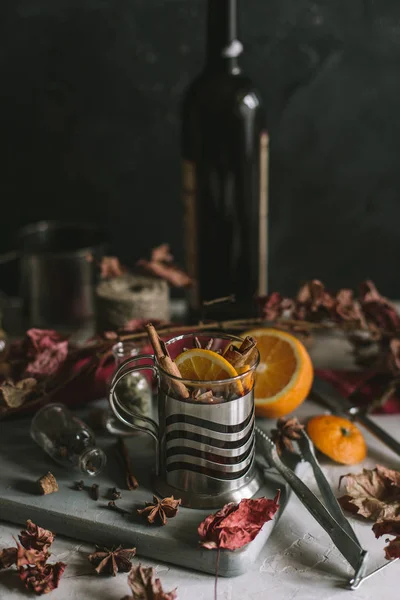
point(298, 562)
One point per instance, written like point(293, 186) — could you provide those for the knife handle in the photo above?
point(377, 431)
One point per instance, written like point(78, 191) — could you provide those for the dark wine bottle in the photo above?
point(225, 174)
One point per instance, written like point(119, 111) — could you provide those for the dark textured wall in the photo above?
point(89, 110)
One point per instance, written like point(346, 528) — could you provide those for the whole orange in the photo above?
point(338, 438)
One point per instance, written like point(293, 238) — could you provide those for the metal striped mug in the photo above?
point(205, 451)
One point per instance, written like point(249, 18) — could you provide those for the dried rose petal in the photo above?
point(387, 527)
point(235, 525)
point(272, 307)
point(31, 556)
point(392, 550)
point(8, 557)
point(42, 579)
point(36, 537)
point(311, 298)
point(46, 350)
point(378, 309)
point(394, 355)
point(349, 309)
point(146, 586)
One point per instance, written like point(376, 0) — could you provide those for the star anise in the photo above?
point(162, 509)
point(112, 562)
point(287, 431)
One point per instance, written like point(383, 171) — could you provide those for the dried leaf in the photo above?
point(42, 579)
point(373, 494)
point(392, 550)
point(235, 525)
point(146, 586)
point(36, 537)
point(112, 562)
point(8, 557)
point(15, 394)
point(389, 527)
point(160, 510)
point(46, 350)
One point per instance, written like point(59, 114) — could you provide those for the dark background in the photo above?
point(89, 108)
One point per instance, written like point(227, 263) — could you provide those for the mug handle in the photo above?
point(117, 406)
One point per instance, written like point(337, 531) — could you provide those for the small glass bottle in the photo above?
point(67, 439)
point(133, 391)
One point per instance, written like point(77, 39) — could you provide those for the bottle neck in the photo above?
point(223, 46)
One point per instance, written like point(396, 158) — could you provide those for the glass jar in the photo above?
point(67, 439)
point(134, 391)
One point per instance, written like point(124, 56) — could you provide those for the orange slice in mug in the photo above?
point(205, 365)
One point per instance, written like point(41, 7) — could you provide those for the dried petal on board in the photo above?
point(14, 395)
point(110, 561)
point(36, 537)
point(373, 493)
point(160, 509)
point(235, 525)
point(42, 579)
point(46, 350)
point(8, 557)
point(146, 586)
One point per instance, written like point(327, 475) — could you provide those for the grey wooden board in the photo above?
point(74, 514)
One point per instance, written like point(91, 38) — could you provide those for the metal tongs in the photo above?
point(330, 517)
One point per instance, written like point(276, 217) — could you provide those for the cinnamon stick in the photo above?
point(161, 353)
point(239, 357)
point(130, 479)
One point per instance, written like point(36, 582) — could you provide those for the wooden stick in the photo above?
point(161, 353)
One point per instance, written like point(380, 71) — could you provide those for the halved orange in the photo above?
point(284, 375)
point(205, 365)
